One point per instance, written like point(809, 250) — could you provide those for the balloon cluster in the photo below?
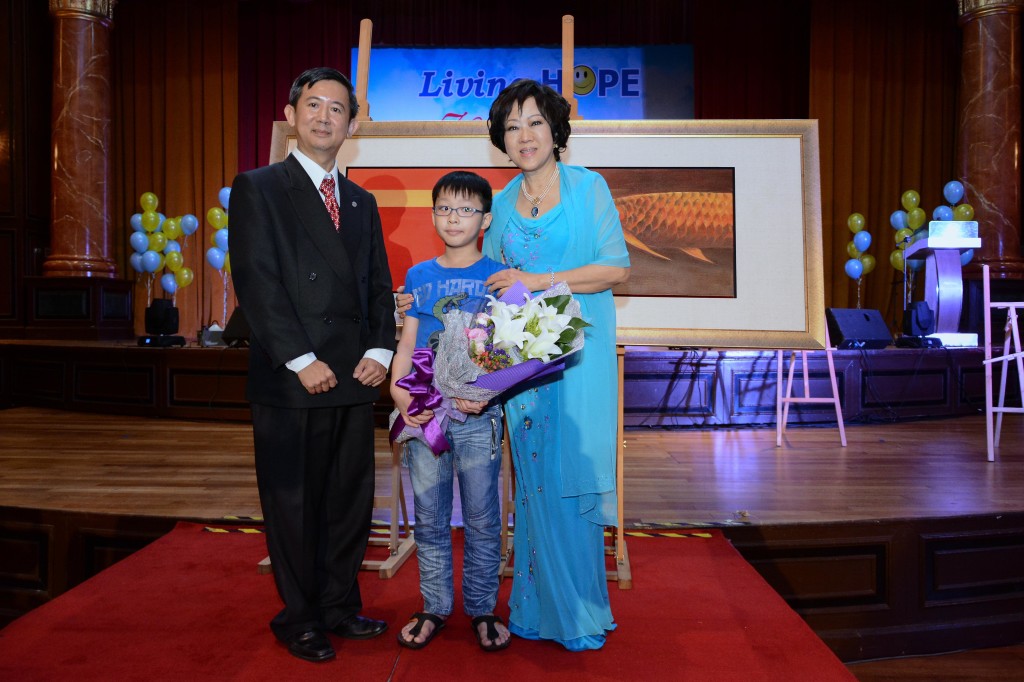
point(154, 239)
point(217, 255)
point(909, 222)
point(860, 263)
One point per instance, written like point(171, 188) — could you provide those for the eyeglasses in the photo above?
point(461, 211)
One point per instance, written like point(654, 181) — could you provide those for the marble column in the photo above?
point(989, 130)
point(80, 239)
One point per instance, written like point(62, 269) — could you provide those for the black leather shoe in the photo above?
point(311, 645)
point(358, 627)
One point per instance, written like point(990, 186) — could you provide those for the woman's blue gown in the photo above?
point(560, 590)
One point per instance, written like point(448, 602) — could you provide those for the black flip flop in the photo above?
point(420, 619)
point(492, 633)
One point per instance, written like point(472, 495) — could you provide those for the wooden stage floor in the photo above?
point(865, 542)
point(133, 466)
point(202, 470)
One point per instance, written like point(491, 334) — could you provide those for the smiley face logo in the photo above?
point(583, 80)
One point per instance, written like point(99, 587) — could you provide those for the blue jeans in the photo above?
point(476, 456)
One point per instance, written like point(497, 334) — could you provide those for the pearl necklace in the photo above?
point(535, 211)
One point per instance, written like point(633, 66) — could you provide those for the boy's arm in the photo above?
point(400, 367)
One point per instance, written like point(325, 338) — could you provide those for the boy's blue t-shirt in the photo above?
point(437, 290)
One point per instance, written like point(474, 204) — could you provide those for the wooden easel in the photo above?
point(622, 573)
point(400, 541)
point(782, 402)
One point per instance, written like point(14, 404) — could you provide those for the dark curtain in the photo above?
point(883, 84)
point(751, 59)
point(175, 134)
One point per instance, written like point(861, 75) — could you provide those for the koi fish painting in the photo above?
point(679, 226)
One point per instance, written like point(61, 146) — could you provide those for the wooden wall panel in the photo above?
point(662, 388)
point(878, 589)
point(45, 553)
point(9, 306)
point(113, 385)
point(667, 387)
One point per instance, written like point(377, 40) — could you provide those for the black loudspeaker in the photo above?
point(919, 320)
point(161, 317)
point(857, 328)
point(236, 331)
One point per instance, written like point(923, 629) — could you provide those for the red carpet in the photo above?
point(191, 606)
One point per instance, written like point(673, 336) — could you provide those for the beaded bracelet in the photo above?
point(551, 276)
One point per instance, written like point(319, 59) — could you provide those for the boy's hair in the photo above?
point(552, 106)
point(313, 76)
point(467, 184)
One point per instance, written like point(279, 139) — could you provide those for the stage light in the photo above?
point(161, 325)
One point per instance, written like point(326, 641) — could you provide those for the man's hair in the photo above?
point(311, 77)
point(464, 184)
point(552, 106)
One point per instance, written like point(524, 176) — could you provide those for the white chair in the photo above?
point(1011, 351)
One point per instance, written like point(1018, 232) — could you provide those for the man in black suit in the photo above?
point(312, 276)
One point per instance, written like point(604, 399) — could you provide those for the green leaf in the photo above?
point(558, 302)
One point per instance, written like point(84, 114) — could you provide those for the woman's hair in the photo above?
point(553, 108)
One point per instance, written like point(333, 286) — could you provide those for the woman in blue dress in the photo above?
point(552, 223)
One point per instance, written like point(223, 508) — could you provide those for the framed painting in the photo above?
point(722, 218)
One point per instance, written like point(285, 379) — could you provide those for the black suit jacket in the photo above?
point(305, 287)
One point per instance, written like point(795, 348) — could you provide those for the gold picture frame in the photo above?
point(777, 300)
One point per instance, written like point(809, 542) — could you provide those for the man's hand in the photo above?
point(317, 377)
point(403, 302)
point(370, 372)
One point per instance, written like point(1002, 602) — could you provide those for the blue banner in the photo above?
point(610, 83)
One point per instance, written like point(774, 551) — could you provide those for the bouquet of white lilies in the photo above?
point(515, 338)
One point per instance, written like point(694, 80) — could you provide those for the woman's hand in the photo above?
point(500, 281)
point(470, 406)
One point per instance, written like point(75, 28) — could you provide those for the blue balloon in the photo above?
point(136, 222)
point(150, 261)
point(966, 257)
point(135, 260)
point(172, 246)
point(854, 268)
point(953, 191)
point(898, 220)
point(162, 219)
point(139, 241)
point(862, 240)
point(189, 224)
point(168, 283)
point(942, 213)
point(224, 195)
point(215, 257)
point(220, 238)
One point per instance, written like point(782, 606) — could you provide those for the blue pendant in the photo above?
point(534, 211)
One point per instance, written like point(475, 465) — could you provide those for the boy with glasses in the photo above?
point(461, 207)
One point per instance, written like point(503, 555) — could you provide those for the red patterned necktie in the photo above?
point(327, 187)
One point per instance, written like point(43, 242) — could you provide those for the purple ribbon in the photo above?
point(425, 396)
